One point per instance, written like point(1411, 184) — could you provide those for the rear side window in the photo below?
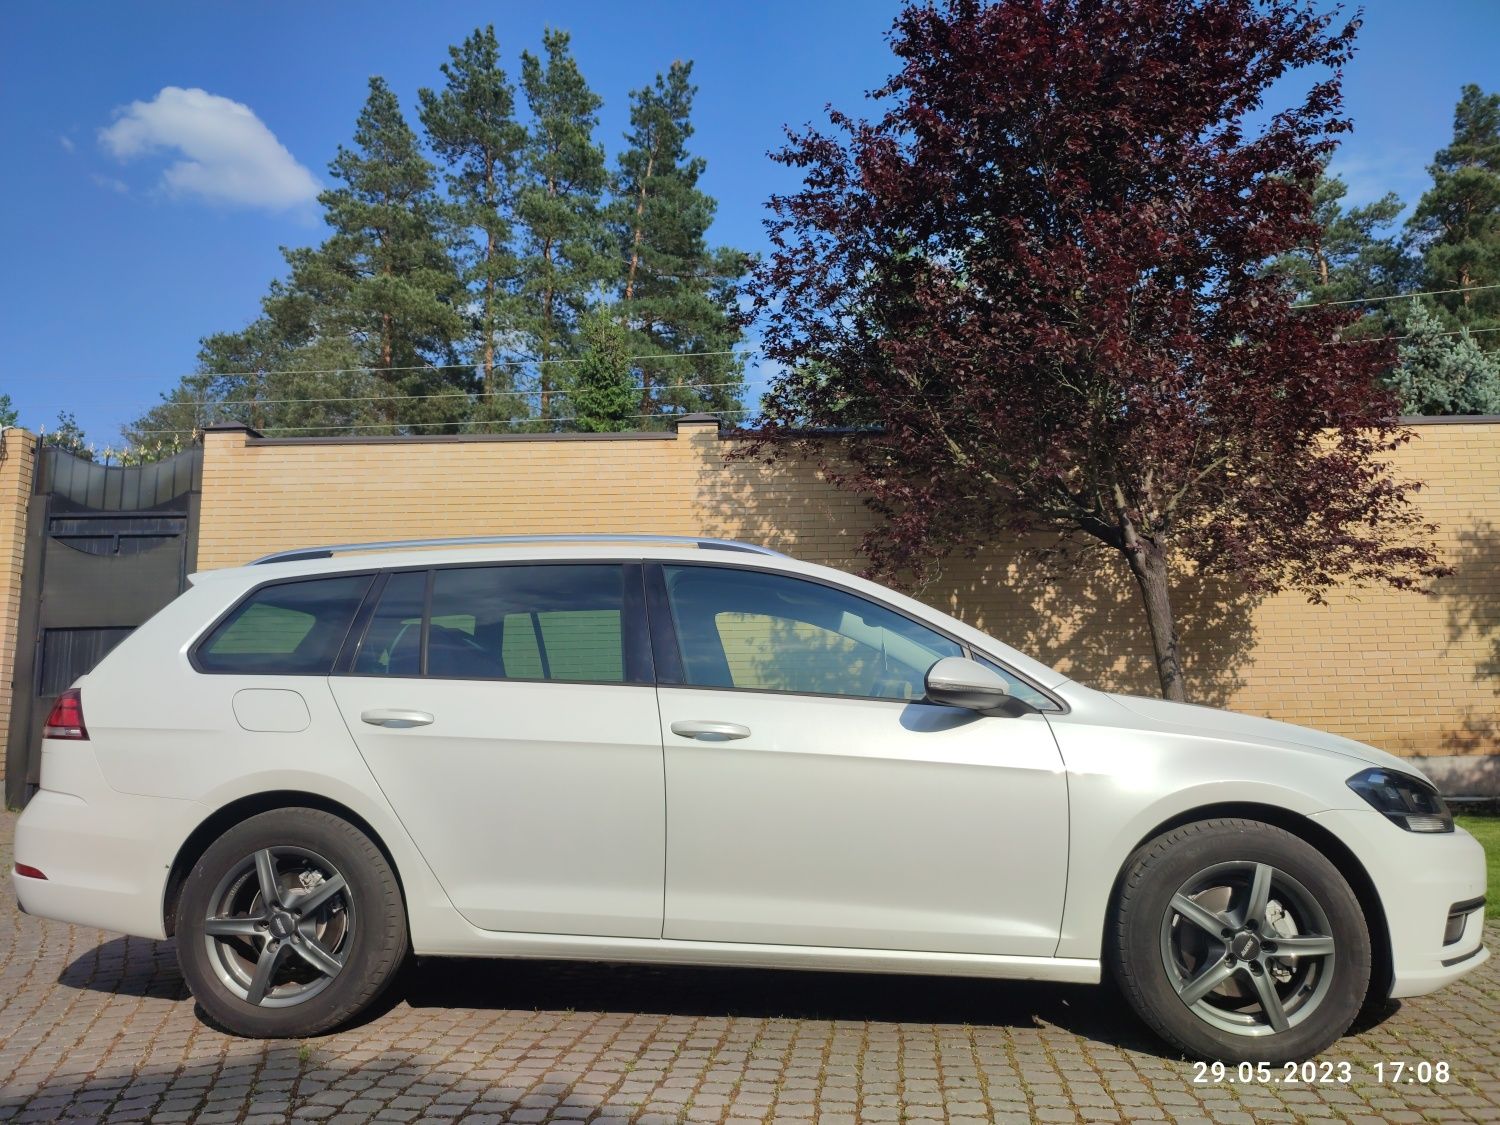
point(287, 629)
point(515, 622)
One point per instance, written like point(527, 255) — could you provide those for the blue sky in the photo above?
point(119, 257)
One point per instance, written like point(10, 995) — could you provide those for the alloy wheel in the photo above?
point(279, 927)
point(1248, 948)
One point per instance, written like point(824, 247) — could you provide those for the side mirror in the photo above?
point(959, 682)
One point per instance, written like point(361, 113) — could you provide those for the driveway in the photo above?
point(99, 1027)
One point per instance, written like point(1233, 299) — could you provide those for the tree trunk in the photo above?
point(1148, 562)
point(639, 232)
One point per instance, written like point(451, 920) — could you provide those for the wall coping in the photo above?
point(693, 421)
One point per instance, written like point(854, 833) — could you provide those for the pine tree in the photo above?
point(1457, 223)
point(471, 126)
point(604, 394)
point(564, 256)
point(383, 280)
point(1442, 373)
point(67, 435)
point(8, 413)
point(1350, 259)
point(676, 293)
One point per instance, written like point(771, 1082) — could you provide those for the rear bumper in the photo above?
point(106, 855)
point(1420, 879)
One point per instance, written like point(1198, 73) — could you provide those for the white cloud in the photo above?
point(109, 183)
point(229, 156)
point(67, 143)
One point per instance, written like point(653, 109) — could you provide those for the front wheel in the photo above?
point(1237, 941)
point(290, 924)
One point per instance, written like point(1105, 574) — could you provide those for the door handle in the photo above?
point(396, 718)
point(709, 730)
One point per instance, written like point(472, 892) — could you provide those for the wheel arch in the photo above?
point(1307, 830)
point(242, 809)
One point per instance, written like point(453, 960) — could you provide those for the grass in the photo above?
point(1486, 829)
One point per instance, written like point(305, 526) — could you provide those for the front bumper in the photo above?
point(106, 854)
point(1419, 879)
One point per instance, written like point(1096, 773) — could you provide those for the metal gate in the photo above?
point(105, 549)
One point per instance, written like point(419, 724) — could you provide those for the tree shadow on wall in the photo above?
point(1076, 609)
point(1473, 595)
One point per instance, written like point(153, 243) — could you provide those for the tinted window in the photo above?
point(289, 629)
point(528, 622)
point(393, 642)
point(745, 629)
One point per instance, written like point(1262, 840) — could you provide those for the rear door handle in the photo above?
point(709, 730)
point(396, 718)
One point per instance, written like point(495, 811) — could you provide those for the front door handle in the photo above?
point(396, 718)
point(709, 730)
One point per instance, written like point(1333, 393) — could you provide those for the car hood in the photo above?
point(1247, 728)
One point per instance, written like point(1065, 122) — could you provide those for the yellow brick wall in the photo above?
point(1416, 674)
point(17, 466)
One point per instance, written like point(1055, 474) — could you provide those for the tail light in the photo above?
point(66, 718)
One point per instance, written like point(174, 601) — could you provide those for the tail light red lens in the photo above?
point(29, 872)
point(66, 718)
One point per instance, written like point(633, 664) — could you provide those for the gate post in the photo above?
point(17, 472)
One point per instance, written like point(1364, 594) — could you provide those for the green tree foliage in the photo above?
point(67, 435)
point(676, 292)
point(1456, 225)
point(1350, 259)
point(447, 294)
point(383, 280)
point(471, 125)
point(1439, 372)
point(564, 261)
point(8, 413)
point(604, 394)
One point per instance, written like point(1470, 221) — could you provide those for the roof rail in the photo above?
point(303, 553)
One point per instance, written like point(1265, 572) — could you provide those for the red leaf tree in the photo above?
point(1037, 286)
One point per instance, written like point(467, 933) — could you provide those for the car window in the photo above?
point(1019, 688)
point(288, 629)
point(770, 632)
point(528, 622)
point(392, 645)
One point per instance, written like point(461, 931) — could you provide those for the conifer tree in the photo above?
point(1456, 225)
point(676, 292)
point(383, 280)
point(471, 126)
point(603, 396)
point(564, 256)
point(1440, 372)
point(1349, 259)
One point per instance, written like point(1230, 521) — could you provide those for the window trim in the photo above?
point(204, 635)
point(634, 630)
point(664, 636)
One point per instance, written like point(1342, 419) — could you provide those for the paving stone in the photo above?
point(98, 1027)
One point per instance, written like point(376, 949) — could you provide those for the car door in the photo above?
point(508, 714)
point(812, 797)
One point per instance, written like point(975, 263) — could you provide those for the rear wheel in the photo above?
point(290, 924)
point(1236, 940)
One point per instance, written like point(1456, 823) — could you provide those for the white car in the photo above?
point(698, 752)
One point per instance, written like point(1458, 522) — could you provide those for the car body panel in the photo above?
point(539, 806)
point(863, 823)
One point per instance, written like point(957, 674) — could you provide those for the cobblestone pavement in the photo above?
point(96, 1027)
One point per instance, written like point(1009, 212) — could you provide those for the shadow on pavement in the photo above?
point(136, 967)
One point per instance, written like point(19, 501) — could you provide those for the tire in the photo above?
point(320, 955)
point(1203, 912)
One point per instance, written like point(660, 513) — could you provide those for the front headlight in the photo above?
point(1409, 801)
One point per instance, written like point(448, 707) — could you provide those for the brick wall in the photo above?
point(1415, 674)
point(17, 467)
